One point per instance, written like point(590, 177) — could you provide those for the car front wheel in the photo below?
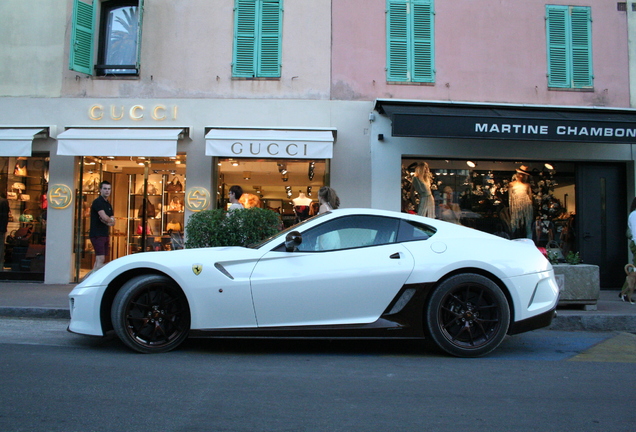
point(150, 314)
point(467, 315)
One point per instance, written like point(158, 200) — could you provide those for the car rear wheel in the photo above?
point(467, 315)
point(150, 314)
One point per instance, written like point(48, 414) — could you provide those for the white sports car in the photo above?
point(347, 273)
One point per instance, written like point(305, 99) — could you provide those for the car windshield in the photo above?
point(281, 235)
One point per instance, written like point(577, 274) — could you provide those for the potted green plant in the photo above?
point(211, 228)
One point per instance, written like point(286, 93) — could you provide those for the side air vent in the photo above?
point(222, 269)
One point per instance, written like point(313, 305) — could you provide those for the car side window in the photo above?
point(350, 232)
point(412, 231)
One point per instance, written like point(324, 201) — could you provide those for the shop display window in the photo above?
point(511, 199)
point(148, 196)
point(287, 186)
point(24, 184)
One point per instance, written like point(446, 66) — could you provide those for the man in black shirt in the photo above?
point(101, 221)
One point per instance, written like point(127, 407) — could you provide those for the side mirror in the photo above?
point(292, 241)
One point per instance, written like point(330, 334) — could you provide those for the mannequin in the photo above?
point(520, 198)
point(302, 205)
point(422, 184)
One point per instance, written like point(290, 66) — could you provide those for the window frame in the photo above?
point(410, 33)
point(569, 47)
point(257, 50)
point(88, 37)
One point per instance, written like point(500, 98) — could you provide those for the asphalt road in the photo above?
point(546, 380)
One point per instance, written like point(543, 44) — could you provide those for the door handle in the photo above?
point(395, 256)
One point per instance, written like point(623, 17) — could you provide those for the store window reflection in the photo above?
point(510, 199)
point(23, 188)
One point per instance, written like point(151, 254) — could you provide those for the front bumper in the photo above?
point(84, 306)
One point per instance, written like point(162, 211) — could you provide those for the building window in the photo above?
point(118, 37)
point(257, 39)
point(410, 42)
point(569, 37)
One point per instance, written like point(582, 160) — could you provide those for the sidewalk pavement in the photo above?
point(38, 300)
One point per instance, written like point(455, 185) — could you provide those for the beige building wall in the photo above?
point(187, 53)
point(33, 38)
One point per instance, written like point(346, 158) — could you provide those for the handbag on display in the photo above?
point(553, 249)
point(140, 230)
point(26, 217)
point(174, 226)
point(25, 197)
point(150, 210)
point(174, 186)
point(91, 185)
point(20, 169)
point(175, 205)
point(152, 189)
point(19, 186)
point(12, 195)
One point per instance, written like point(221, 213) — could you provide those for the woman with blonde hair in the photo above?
point(328, 199)
point(422, 183)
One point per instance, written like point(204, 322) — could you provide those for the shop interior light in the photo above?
point(549, 166)
point(471, 164)
point(247, 175)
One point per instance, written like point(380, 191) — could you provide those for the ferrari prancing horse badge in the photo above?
point(197, 268)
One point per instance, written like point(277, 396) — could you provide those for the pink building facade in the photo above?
point(491, 93)
point(484, 51)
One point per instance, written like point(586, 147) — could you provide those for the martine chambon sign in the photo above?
point(542, 129)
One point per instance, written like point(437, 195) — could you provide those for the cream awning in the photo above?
point(270, 143)
point(118, 142)
point(17, 142)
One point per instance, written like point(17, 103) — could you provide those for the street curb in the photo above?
point(600, 323)
point(32, 312)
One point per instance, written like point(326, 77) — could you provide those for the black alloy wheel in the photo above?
point(150, 314)
point(468, 315)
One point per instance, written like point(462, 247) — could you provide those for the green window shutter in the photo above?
point(82, 34)
point(141, 14)
point(270, 39)
point(257, 38)
point(423, 41)
point(410, 41)
point(244, 39)
point(397, 41)
point(569, 37)
point(558, 66)
point(581, 47)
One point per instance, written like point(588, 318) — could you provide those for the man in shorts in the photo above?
point(101, 221)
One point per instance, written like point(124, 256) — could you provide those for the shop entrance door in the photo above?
point(602, 219)
point(148, 203)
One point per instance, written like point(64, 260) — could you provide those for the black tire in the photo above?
point(150, 314)
point(467, 315)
